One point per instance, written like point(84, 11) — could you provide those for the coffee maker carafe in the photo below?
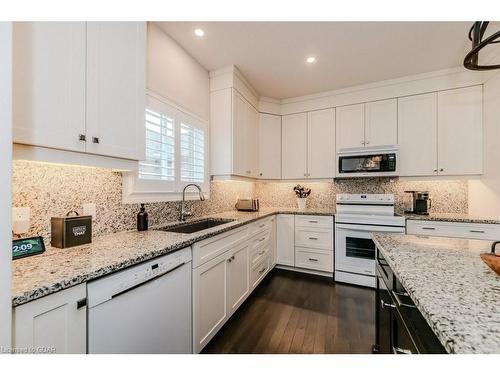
point(420, 202)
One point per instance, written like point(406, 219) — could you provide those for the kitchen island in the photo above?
point(456, 293)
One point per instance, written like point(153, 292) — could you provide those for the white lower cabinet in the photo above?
point(475, 231)
point(56, 323)
point(285, 233)
point(226, 270)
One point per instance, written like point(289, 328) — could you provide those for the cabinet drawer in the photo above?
point(314, 259)
point(257, 254)
point(451, 229)
point(317, 238)
point(259, 271)
point(208, 249)
point(314, 221)
point(260, 239)
point(261, 225)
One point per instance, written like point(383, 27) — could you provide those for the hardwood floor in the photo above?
point(298, 313)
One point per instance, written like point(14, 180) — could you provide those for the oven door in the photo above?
point(355, 249)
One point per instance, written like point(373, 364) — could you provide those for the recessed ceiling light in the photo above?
point(311, 59)
point(199, 32)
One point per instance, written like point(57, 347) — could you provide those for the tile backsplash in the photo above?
point(53, 190)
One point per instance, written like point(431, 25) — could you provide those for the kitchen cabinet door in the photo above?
point(321, 144)
point(381, 123)
point(116, 89)
point(237, 276)
point(460, 131)
point(240, 133)
point(350, 126)
point(54, 323)
point(210, 307)
point(294, 146)
point(417, 134)
point(269, 146)
point(49, 84)
point(273, 242)
point(285, 229)
point(251, 141)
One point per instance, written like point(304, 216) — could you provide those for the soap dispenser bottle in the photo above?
point(142, 219)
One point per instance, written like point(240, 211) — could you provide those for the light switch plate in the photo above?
point(89, 209)
point(21, 219)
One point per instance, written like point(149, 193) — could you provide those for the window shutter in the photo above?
point(192, 151)
point(160, 148)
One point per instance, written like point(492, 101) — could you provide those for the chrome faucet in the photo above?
point(183, 213)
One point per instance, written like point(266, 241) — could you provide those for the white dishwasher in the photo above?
point(143, 309)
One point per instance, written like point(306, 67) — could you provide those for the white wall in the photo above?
point(175, 75)
point(5, 181)
point(484, 194)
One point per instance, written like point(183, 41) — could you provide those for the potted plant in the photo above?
point(302, 194)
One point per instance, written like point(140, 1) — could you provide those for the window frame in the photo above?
point(136, 190)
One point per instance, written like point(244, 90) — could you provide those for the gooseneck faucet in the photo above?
point(184, 213)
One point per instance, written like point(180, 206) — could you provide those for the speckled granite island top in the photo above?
point(455, 291)
point(58, 269)
point(452, 217)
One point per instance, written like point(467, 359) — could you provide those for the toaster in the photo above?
point(249, 204)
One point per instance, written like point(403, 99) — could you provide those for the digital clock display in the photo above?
point(27, 246)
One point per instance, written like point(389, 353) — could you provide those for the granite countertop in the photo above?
point(456, 292)
point(56, 269)
point(452, 217)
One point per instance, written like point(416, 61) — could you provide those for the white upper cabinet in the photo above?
point(116, 71)
point(321, 144)
point(81, 86)
point(381, 123)
point(294, 146)
point(269, 146)
point(417, 133)
point(49, 84)
point(350, 126)
point(460, 131)
point(366, 125)
point(234, 127)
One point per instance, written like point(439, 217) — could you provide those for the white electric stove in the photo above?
point(357, 217)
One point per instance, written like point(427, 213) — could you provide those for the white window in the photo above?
point(176, 155)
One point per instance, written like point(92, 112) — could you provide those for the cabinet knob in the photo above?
point(82, 137)
point(248, 172)
point(363, 143)
point(367, 142)
point(95, 139)
point(441, 169)
point(260, 174)
point(435, 170)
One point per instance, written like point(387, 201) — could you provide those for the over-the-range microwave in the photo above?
point(377, 161)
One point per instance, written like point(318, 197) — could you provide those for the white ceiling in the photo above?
point(272, 55)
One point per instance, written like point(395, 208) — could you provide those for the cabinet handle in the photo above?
point(313, 221)
point(428, 228)
point(397, 350)
point(313, 238)
point(385, 305)
point(82, 137)
point(248, 172)
point(476, 231)
point(262, 239)
point(81, 303)
point(262, 252)
point(313, 259)
point(441, 169)
point(363, 143)
point(95, 139)
point(262, 270)
point(262, 225)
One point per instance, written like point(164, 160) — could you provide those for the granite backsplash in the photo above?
point(52, 190)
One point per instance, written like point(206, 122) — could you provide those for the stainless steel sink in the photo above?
point(196, 226)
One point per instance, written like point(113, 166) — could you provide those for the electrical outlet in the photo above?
point(21, 219)
point(89, 209)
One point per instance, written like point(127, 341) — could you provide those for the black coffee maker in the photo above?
point(420, 202)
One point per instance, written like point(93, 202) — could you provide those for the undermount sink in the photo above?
point(196, 226)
